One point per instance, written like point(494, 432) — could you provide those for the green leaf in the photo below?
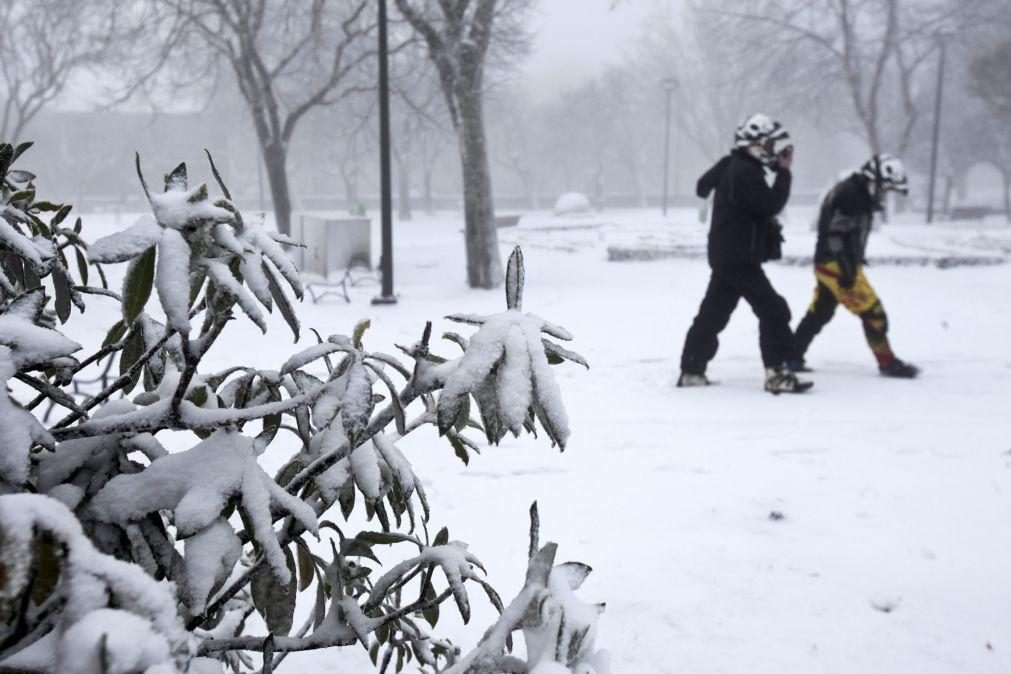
point(306, 567)
point(514, 280)
point(288, 472)
point(346, 496)
point(137, 284)
point(46, 566)
point(217, 176)
point(385, 537)
point(61, 285)
point(140, 176)
point(6, 157)
point(271, 424)
point(463, 418)
point(82, 266)
point(61, 215)
point(20, 150)
point(398, 407)
point(275, 601)
point(441, 538)
point(132, 351)
point(356, 547)
point(199, 195)
point(115, 333)
point(281, 300)
point(359, 332)
point(197, 278)
point(198, 396)
point(27, 195)
point(458, 448)
point(177, 179)
point(431, 615)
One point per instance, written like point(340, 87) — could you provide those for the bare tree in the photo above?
point(288, 58)
point(420, 122)
point(515, 140)
point(44, 44)
point(874, 49)
point(459, 35)
point(989, 78)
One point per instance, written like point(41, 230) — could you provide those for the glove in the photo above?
point(846, 280)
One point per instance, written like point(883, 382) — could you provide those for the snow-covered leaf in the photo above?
point(127, 244)
point(173, 280)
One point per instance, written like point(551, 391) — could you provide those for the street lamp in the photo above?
point(669, 85)
point(385, 191)
point(935, 140)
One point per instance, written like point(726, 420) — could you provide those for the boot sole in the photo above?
point(801, 387)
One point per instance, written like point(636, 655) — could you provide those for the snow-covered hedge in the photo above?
point(118, 556)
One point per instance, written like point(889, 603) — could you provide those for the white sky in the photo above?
point(573, 39)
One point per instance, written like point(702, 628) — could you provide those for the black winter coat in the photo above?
point(844, 223)
point(742, 209)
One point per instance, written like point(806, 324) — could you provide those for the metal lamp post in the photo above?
point(386, 198)
point(935, 139)
point(668, 84)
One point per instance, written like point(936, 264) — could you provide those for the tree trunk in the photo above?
point(275, 158)
point(640, 190)
point(530, 190)
point(484, 266)
point(429, 198)
point(1006, 176)
point(403, 191)
point(350, 179)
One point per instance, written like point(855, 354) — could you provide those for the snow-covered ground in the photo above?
point(892, 552)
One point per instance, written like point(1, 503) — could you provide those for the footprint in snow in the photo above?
point(885, 604)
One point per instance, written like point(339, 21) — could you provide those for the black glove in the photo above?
point(846, 280)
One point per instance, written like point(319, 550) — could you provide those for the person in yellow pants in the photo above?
point(843, 226)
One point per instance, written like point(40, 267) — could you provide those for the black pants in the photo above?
point(727, 285)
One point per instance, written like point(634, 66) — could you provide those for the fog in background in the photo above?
point(572, 102)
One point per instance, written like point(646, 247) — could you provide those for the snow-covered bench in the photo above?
point(334, 247)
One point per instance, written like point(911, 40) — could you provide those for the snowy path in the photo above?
point(894, 494)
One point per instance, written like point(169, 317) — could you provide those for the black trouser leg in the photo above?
point(775, 338)
point(702, 340)
point(817, 317)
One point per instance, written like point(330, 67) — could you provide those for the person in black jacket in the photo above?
point(844, 223)
point(744, 210)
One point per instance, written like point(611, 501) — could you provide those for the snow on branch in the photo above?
point(123, 556)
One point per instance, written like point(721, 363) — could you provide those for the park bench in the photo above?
point(337, 253)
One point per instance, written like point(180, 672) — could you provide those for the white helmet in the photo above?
point(757, 130)
point(887, 173)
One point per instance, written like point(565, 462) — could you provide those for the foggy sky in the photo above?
point(574, 39)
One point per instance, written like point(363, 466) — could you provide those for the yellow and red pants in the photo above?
point(860, 299)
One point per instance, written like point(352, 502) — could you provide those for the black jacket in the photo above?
point(743, 207)
point(844, 223)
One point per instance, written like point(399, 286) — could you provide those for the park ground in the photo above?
point(864, 527)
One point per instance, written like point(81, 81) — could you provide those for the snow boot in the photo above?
point(799, 365)
point(690, 379)
point(899, 369)
point(781, 380)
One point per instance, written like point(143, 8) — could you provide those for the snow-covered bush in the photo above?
point(572, 203)
point(119, 556)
